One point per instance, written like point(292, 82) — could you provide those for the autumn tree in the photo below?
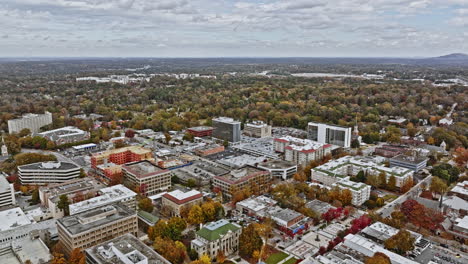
point(421, 216)
point(346, 197)
point(76, 257)
point(382, 179)
point(195, 215)
point(58, 258)
point(300, 177)
point(401, 242)
point(146, 204)
point(391, 185)
point(220, 257)
point(175, 252)
point(130, 133)
point(461, 157)
point(249, 241)
point(438, 186)
point(378, 258)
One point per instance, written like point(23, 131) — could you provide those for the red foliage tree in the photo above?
point(421, 216)
point(129, 133)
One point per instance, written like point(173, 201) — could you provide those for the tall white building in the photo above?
point(226, 128)
point(360, 191)
point(33, 122)
point(331, 134)
point(7, 193)
point(257, 129)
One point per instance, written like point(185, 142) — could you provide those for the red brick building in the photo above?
point(200, 131)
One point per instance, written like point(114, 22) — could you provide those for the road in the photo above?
point(60, 156)
point(412, 193)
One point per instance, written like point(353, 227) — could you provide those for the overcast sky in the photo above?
point(227, 28)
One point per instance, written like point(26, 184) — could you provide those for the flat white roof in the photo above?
point(302, 144)
point(228, 120)
point(13, 218)
point(109, 195)
point(180, 195)
point(462, 222)
point(89, 145)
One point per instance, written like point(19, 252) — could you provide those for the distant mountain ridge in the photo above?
point(454, 56)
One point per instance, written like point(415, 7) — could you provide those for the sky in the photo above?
point(227, 28)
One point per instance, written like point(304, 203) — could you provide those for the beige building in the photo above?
point(148, 178)
point(95, 226)
point(256, 180)
point(217, 236)
point(176, 201)
point(257, 129)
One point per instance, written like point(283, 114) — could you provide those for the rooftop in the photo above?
point(201, 128)
point(62, 132)
point(48, 166)
point(242, 174)
point(108, 195)
point(277, 164)
point(134, 149)
point(13, 218)
point(461, 188)
point(124, 250)
point(143, 169)
point(96, 217)
point(257, 124)
point(181, 197)
point(351, 185)
point(215, 230)
point(286, 215)
point(462, 222)
point(319, 206)
point(410, 159)
point(258, 203)
point(228, 120)
point(71, 186)
point(303, 145)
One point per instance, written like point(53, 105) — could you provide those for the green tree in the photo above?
point(146, 204)
point(355, 143)
point(63, 204)
point(35, 196)
point(24, 132)
point(382, 179)
point(438, 186)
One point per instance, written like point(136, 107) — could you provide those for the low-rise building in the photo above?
point(147, 177)
point(254, 179)
point(43, 173)
point(177, 201)
point(460, 190)
point(65, 135)
point(95, 226)
point(414, 163)
point(217, 236)
point(200, 171)
point(255, 206)
point(200, 131)
point(257, 129)
point(209, 150)
point(319, 207)
point(289, 221)
point(7, 193)
point(106, 196)
point(335, 170)
point(390, 151)
point(279, 169)
point(76, 190)
point(125, 249)
point(301, 151)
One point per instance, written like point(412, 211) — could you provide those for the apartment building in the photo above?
point(177, 201)
point(33, 122)
point(95, 226)
point(256, 180)
point(257, 129)
point(125, 249)
point(106, 196)
point(226, 128)
point(301, 151)
point(76, 190)
point(217, 236)
point(360, 191)
point(329, 134)
point(7, 193)
point(147, 177)
point(43, 173)
point(65, 135)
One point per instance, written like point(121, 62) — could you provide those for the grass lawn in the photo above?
point(290, 261)
point(275, 258)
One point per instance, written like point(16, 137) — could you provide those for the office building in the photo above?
point(76, 190)
point(209, 150)
point(96, 226)
point(329, 134)
point(256, 180)
point(125, 249)
point(33, 122)
point(177, 201)
point(200, 131)
point(335, 170)
point(65, 135)
point(43, 173)
point(257, 129)
point(7, 192)
point(279, 169)
point(226, 128)
point(109, 163)
point(106, 196)
point(301, 151)
point(414, 162)
point(147, 177)
point(217, 236)
point(256, 206)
